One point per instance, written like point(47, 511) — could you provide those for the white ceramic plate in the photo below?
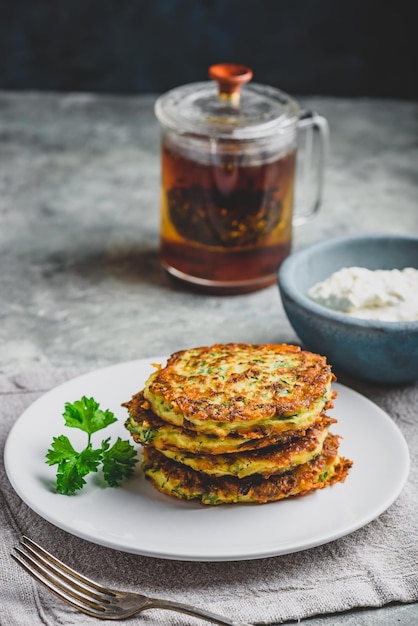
point(136, 518)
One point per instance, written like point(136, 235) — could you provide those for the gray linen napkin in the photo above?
point(374, 566)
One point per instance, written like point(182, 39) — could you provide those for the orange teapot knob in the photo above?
point(230, 78)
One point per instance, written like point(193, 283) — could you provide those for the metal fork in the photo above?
point(94, 599)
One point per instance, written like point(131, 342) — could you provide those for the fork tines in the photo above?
point(79, 591)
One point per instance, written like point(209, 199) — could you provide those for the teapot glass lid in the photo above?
point(228, 106)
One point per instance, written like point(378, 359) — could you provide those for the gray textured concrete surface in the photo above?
point(80, 280)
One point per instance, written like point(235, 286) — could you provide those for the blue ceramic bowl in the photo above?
point(383, 352)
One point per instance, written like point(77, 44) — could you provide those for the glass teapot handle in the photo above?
point(313, 143)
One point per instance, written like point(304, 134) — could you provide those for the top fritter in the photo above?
point(240, 388)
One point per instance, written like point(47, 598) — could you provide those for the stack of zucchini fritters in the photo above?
point(238, 423)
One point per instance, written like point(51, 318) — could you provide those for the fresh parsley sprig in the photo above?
point(117, 461)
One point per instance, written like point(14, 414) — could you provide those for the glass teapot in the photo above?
point(229, 151)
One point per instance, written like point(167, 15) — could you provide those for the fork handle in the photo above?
point(157, 603)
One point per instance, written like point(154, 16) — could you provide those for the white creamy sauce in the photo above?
point(389, 295)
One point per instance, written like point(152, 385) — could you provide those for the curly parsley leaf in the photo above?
point(117, 461)
point(86, 415)
point(61, 450)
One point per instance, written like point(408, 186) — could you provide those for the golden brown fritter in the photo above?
point(148, 429)
point(177, 480)
point(276, 459)
point(239, 388)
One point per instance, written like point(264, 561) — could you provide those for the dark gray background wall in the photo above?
point(321, 47)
